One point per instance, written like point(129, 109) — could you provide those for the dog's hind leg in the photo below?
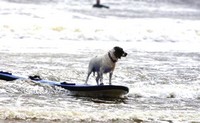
point(101, 78)
point(97, 78)
point(89, 72)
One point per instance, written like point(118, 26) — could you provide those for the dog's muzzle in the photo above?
point(124, 54)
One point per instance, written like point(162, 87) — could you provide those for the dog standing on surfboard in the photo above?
point(105, 64)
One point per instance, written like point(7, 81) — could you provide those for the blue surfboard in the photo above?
point(74, 88)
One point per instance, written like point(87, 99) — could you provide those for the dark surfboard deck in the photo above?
point(74, 88)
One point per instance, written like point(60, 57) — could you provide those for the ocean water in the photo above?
point(56, 39)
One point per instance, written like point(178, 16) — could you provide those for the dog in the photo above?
point(105, 64)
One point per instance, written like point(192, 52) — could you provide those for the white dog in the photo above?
point(105, 64)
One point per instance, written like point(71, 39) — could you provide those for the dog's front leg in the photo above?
point(110, 77)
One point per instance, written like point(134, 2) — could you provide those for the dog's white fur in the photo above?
point(102, 64)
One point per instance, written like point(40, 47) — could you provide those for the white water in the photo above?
point(57, 42)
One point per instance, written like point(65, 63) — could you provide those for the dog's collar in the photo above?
point(111, 58)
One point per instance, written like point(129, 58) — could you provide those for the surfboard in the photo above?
point(100, 6)
point(74, 88)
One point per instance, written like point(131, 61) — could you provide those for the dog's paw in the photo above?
point(101, 84)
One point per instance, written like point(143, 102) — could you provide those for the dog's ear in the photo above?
point(116, 48)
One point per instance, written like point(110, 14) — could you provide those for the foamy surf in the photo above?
point(56, 40)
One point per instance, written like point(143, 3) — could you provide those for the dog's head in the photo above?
point(119, 52)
